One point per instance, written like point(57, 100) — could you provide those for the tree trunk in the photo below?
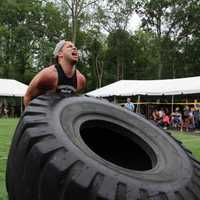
point(122, 71)
point(74, 29)
point(160, 63)
point(99, 72)
point(160, 68)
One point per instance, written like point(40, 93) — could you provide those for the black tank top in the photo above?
point(63, 79)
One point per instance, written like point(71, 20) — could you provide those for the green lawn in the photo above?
point(191, 141)
point(7, 127)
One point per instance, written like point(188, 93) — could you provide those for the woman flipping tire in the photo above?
point(81, 148)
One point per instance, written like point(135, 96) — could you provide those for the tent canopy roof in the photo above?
point(178, 86)
point(9, 87)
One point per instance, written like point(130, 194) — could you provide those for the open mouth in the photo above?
point(75, 54)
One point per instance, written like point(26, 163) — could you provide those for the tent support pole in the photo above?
point(21, 100)
point(172, 105)
point(115, 99)
point(138, 105)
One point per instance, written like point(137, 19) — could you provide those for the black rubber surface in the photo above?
point(81, 148)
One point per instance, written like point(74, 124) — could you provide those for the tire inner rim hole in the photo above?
point(118, 145)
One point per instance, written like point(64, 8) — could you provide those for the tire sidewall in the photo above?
point(173, 165)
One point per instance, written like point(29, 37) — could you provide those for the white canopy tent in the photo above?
point(9, 87)
point(149, 87)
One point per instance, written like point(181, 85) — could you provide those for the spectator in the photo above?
point(129, 105)
point(191, 125)
point(186, 118)
point(176, 120)
point(155, 115)
point(196, 117)
point(1, 109)
point(156, 118)
point(166, 120)
point(161, 113)
point(6, 112)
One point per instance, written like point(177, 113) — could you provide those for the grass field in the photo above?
point(7, 127)
point(192, 142)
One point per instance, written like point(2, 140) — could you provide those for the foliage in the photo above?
point(78, 12)
point(115, 14)
point(119, 54)
point(173, 23)
point(145, 56)
point(167, 45)
point(28, 30)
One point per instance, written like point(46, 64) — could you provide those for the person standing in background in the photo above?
point(129, 105)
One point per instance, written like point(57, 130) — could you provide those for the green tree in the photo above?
point(96, 54)
point(115, 14)
point(114, 17)
point(18, 20)
point(54, 27)
point(145, 55)
point(119, 55)
point(77, 12)
point(28, 33)
point(173, 22)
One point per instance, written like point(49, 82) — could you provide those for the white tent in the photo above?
point(9, 87)
point(149, 87)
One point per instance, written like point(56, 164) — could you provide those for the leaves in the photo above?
point(167, 45)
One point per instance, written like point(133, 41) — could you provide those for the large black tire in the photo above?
point(81, 148)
